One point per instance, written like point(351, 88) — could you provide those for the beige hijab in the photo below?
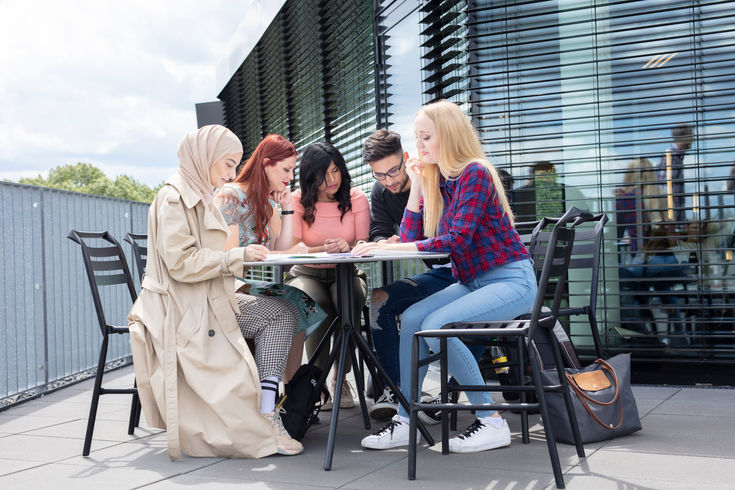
point(199, 150)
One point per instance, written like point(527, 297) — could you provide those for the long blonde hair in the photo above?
point(640, 174)
point(459, 145)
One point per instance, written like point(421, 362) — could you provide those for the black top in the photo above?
point(386, 213)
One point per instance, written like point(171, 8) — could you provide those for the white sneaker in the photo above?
point(384, 407)
point(430, 417)
point(395, 434)
point(480, 437)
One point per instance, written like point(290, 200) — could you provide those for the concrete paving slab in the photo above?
point(659, 470)
point(8, 466)
point(215, 483)
point(137, 457)
point(25, 447)
point(577, 482)
point(442, 475)
point(104, 430)
point(699, 401)
point(350, 462)
point(654, 392)
point(16, 424)
point(80, 477)
point(681, 435)
point(42, 408)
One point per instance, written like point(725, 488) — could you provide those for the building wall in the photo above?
point(587, 85)
point(310, 78)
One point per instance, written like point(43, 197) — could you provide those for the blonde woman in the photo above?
point(639, 202)
point(463, 212)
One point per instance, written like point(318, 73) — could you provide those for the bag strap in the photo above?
point(585, 399)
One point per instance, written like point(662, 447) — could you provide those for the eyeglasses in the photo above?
point(394, 172)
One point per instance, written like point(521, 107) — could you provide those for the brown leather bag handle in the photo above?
point(584, 398)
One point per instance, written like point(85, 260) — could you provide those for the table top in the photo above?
point(339, 258)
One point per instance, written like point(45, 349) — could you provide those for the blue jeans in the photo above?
point(502, 293)
point(402, 294)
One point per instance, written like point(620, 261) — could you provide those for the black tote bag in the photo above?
point(602, 398)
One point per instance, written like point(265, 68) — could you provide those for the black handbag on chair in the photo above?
point(603, 401)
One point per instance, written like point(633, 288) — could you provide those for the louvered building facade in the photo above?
point(582, 102)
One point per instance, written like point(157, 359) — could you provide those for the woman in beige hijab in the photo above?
point(196, 376)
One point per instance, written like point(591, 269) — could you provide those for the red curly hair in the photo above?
point(270, 151)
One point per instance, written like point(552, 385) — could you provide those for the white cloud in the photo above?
point(111, 83)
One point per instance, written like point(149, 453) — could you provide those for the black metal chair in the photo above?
point(105, 266)
point(140, 250)
point(555, 257)
point(586, 255)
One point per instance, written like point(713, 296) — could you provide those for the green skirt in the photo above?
point(310, 313)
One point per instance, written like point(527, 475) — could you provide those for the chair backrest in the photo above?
point(587, 249)
point(140, 250)
point(551, 254)
point(105, 266)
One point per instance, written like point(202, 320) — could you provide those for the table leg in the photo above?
point(344, 312)
point(348, 336)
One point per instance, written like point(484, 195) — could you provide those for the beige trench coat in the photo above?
point(196, 376)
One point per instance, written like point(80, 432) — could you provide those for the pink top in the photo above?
point(355, 224)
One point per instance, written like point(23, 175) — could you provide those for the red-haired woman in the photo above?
point(248, 205)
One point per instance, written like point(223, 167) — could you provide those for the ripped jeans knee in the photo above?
point(378, 297)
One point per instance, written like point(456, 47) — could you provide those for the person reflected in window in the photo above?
point(671, 167)
point(457, 205)
point(543, 195)
point(662, 271)
point(250, 207)
point(639, 202)
point(329, 216)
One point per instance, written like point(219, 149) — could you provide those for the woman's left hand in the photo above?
point(283, 198)
point(366, 248)
point(336, 245)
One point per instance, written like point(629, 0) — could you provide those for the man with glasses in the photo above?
point(388, 198)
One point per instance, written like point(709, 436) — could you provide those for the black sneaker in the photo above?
point(385, 407)
point(431, 417)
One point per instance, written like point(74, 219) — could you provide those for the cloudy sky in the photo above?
point(114, 83)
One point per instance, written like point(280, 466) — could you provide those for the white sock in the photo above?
point(496, 422)
point(269, 387)
point(403, 420)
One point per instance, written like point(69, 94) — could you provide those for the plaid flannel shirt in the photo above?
point(473, 228)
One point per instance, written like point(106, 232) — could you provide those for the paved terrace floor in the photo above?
point(687, 441)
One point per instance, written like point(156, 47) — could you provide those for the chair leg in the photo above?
point(443, 376)
point(595, 333)
point(520, 347)
point(134, 411)
point(567, 397)
point(96, 392)
point(412, 413)
point(453, 417)
point(550, 440)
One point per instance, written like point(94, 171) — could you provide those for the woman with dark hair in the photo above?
point(331, 217)
point(248, 205)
